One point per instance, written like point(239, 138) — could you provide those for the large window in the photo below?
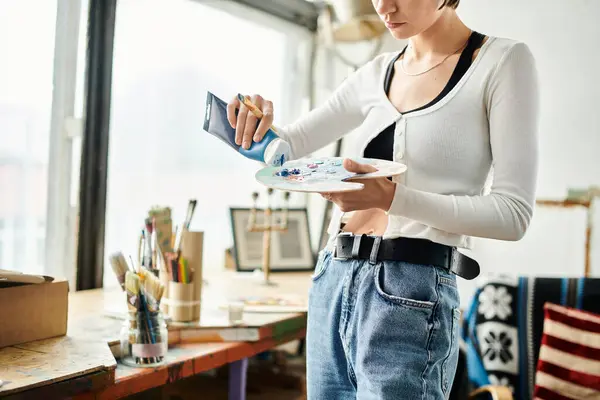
point(167, 54)
point(42, 45)
point(27, 33)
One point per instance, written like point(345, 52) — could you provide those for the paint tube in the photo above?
point(271, 150)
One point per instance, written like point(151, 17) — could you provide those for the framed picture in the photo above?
point(290, 250)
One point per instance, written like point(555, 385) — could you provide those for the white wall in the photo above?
point(565, 39)
point(563, 36)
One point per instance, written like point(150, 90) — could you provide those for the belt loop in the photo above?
point(356, 245)
point(452, 263)
point(375, 250)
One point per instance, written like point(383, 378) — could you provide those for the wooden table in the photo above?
point(80, 365)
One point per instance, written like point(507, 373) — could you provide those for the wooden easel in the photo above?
point(267, 227)
point(586, 202)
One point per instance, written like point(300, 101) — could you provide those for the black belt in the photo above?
point(414, 251)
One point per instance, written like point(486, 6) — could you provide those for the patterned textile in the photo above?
point(503, 326)
point(569, 361)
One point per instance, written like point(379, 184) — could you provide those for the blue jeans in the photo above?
point(383, 331)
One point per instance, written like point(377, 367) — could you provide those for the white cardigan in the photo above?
point(487, 122)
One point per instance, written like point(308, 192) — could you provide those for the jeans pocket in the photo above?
point(451, 361)
point(323, 262)
point(406, 285)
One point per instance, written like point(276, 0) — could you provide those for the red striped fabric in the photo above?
point(566, 374)
point(573, 318)
point(570, 347)
point(569, 356)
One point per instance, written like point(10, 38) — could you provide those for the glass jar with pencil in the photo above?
point(144, 336)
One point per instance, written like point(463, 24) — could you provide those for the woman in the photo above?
point(383, 310)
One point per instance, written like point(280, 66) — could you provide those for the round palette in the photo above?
point(324, 174)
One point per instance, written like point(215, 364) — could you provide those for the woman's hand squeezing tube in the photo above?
point(245, 122)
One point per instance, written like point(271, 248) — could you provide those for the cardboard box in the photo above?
point(33, 311)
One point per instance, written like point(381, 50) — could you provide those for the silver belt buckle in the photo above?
point(335, 253)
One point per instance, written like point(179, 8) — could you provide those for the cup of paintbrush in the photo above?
point(144, 294)
point(136, 304)
point(182, 300)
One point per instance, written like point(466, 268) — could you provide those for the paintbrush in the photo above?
point(132, 266)
point(141, 247)
point(120, 267)
point(174, 265)
point(154, 248)
point(185, 226)
point(148, 244)
point(190, 213)
point(132, 288)
point(153, 289)
point(174, 237)
point(253, 108)
point(147, 325)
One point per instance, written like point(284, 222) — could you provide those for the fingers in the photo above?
point(358, 168)
point(327, 196)
point(251, 122)
point(232, 106)
point(240, 125)
point(240, 119)
point(266, 121)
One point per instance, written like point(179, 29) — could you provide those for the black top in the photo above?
point(382, 146)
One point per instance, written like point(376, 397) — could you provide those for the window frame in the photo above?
point(60, 232)
point(303, 13)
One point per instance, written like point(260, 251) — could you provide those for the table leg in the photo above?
point(237, 379)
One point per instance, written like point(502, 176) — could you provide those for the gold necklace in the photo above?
point(436, 65)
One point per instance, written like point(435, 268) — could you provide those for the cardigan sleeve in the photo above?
point(325, 124)
point(505, 213)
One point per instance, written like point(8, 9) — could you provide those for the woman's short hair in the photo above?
point(450, 3)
